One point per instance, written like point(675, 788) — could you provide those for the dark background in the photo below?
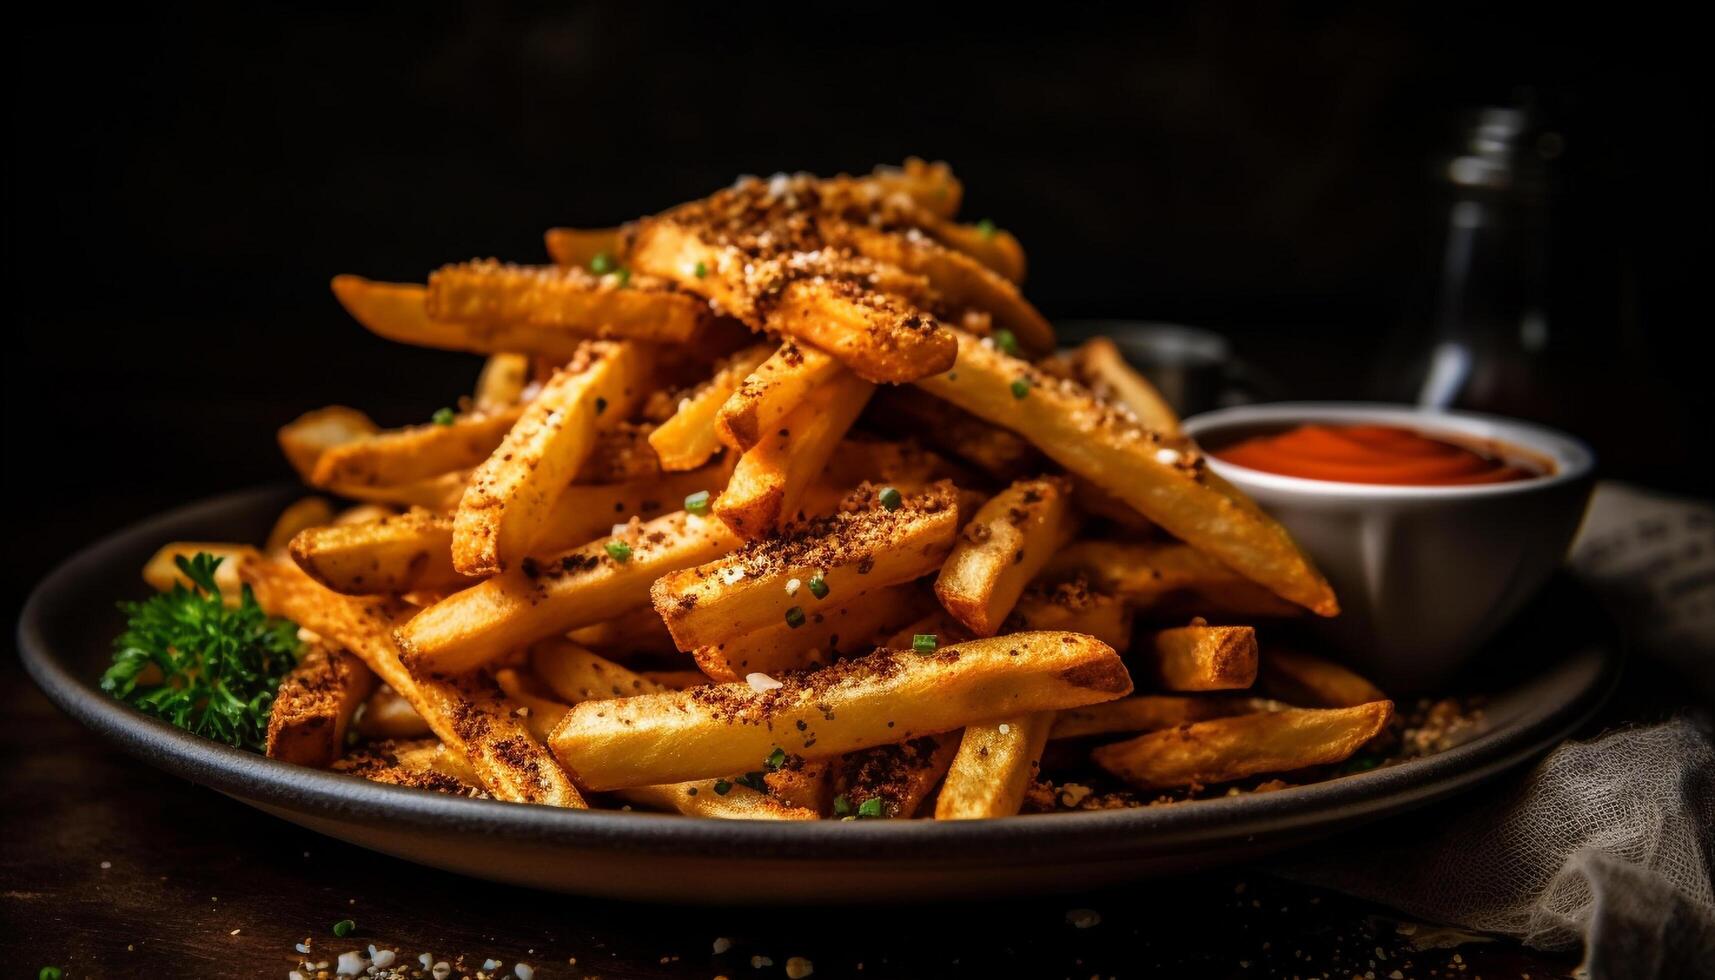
point(183, 186)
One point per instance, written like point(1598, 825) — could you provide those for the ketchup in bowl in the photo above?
point(1380, 454)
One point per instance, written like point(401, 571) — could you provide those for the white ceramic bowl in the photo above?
point(1424, 574)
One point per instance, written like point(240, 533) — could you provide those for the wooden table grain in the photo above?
point(112, 869)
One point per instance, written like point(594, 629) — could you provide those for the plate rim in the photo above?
point(1293, 812)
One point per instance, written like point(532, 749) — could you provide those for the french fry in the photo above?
point(827, 634)
point(304, 439)
point(384, 557)
point(1163, 479)
point(162, 570)
point(298, 515)
point(510, 495)
point(569, 301)
point(576, 675)
point(582, 512)
point(1003, 547)
point(502, 382)
point(996, 763)
point(388, 715)
point(1072, 606)
point(1160, 575)
point(843, 557)
point(1101, 367)
point(548, 597)
point(911, 411)
point(1224, 749)
point(415, 764)
point(769, 482)
point(580, 246)
point(901, 775)
point(888, 696)
point(1205, 658)
point(719, 799)
point(690, 438)
point(413, 453)
point(1305, 679)
point(314, 705)
point(1151, 713)
point(475, 721)
point(771, 390)
point(994, 247)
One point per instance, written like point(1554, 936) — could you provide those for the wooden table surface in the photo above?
point(112, 869)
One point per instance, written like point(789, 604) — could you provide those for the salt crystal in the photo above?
point(1006, 729)
point(722, 945)
point(491, 964)
point(732, 574)
point(762, 682)
point(351, 963)
point(792, 586)
point(1167, 457)
point(523, 971)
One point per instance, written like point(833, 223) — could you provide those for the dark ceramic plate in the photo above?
point(1542, 679)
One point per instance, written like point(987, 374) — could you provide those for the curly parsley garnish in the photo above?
point(187, 658)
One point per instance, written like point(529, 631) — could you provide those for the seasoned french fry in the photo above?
point(854, 626)
point(413, 453)
point(1003, 547)
point(307, 437)
point(298, 515)
point(1166, 480)
point(888, 696)
point(1150, 713)
point(771, 390)
point(1224, 749)
point(502, 382)
point(996, 763)
point(1073, 607)
point(1205, 658)
point(770, 480)
point(719, 799)
point(162, 570)
point(1305, 679)
point(576, 675)
point(547, 597)
point(580, 246)
point(911, 411)
point(416, 764)
point(1101, 367)
point(475, 721)
point(388, 715)
point(570, 301)
point(901, 775)
point(510, 495)
point(314, 705)
point(994, 247)
point(690, 438)
point(383, 557)
point(1156, 575)
point(842, 557)
point(582, 513)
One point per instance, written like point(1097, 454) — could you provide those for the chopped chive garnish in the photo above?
point(795, 617)
point(623, 275)
point(619, 551)
point(755, 781)
point(600, 405)
point(50, 973)
point(1005, 340)
point(923, 642)
point(870, 808)
point(818, 588)
point(775, 759)
point(602, 263)
point(890, 498)
point(701, 270)
point(344, 928)
point(443, 416)
point(987, 229)
point(697, 503)
point(842, 806)
point(1020, 388)
point(722, 787)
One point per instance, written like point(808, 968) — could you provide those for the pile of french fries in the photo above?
point(780, 504)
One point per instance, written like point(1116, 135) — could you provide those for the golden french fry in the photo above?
point(888, 696)
point(415, 764)
point(298, 515)
point(720, 799)
point(582, 513)
point(580, 246)
point(770, 480)
point(994, 247)
point(547, 597)
point(1161, 575)
point(1164, 479)
point(510, 495)
point(474, 720)
point(1073, 607)
point(161, 571)
point(1205, 658)
point(1101, 367)
point(996, 763)
point(314, 705)
point(1306, 679)
point(304, 439)
point(502, 382)
point(900, 775)
point(854, 626)
point(1150, 713)
point(388, 715)
point(1224, 749)
point(569, 301)
point(840, 557)
point(771, 390)
point(417, 452)
point(383, 557)
point(1003, 547)
point(911, 411)
point(690, 438)
point(576, 675)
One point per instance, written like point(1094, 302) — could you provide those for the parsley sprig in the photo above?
point(215, 667)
